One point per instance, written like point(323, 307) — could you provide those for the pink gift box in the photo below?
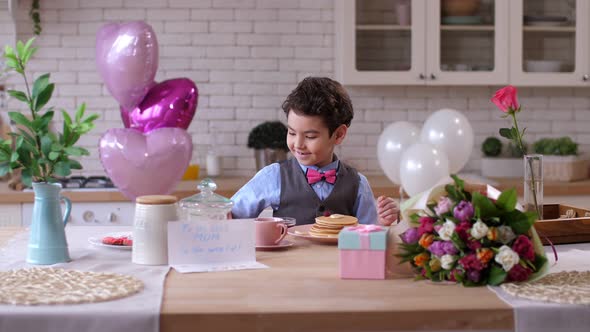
point(362, 252)
point(362, 264)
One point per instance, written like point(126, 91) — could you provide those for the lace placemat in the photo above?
point(568, 287)
point(35, 286)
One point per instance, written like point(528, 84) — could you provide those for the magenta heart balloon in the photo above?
point(127, 60)
point(145, 164)
point(171, 103)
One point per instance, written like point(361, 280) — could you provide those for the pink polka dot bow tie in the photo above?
point(314, 176)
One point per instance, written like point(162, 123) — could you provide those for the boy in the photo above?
point(314, 182)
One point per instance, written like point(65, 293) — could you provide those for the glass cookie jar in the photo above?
point(205, 205)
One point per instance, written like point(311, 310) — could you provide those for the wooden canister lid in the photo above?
point(156, 199)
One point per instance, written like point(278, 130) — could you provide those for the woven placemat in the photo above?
point(569, 287)
point(36, 286)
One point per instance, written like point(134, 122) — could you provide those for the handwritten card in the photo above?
point(212, 245)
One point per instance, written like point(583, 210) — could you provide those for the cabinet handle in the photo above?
point(432, 76)
point(421, 76)
point(585, 78)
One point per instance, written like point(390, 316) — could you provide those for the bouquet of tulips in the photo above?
point(471, 238)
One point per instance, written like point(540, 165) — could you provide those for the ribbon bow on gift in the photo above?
point(314, 176)
point(365, 228)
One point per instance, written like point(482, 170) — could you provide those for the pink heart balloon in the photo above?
point(127, 60)
point(145, 164)
point(171, 103)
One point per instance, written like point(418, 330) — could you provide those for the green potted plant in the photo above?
point(269, 141)
point(42, 155)
point(561, 161)
point(500, 160)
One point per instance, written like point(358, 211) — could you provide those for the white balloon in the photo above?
point(450, 131)
point(394, 140)
point(422, 166)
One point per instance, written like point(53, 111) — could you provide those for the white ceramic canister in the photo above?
point(150, 228)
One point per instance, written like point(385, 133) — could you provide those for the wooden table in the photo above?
point(302, 292)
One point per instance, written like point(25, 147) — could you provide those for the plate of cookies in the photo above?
point(325, 229)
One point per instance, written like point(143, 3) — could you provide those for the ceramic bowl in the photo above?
point(543, 66)
point(459, 7)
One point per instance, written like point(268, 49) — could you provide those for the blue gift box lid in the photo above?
point(350, 238)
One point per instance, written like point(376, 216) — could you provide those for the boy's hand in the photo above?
point(387, 209)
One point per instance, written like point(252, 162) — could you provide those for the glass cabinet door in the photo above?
point(381, 41)
point(467, 42)
point(550, 45)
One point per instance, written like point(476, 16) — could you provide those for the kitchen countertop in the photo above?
point(228, 185)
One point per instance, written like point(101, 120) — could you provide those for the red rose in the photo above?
point(524, 247)
point(463, 230)
point(506, 99)
point(473, 245)
point(470, 262)
point(519, 273)
point(426, 225)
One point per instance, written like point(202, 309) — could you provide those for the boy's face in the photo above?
point(309, 140)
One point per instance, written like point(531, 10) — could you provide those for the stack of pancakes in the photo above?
point(331, 225)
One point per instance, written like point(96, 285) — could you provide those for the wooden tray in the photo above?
point(561, 229)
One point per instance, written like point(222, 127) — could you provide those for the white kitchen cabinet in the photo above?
point(550, 42)
point(10, 215)
point(373, 48)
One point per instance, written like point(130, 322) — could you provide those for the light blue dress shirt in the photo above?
point(264, 190)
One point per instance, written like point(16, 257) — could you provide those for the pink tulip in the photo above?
point(506, 99)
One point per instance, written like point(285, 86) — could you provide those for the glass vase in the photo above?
point(533, 183)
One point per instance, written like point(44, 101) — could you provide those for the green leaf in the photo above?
point(91, 118)
point(505, 132)
point(44, 96)
point(5, 168)
point(486, 207)
point(80, 112)
point(497, 275)
point(19, 142)
point(18, 95)
point(507, 200)
point(520, 222)
point(14, 157)
point(75, 151)
point(46, 143)
point(4, 155)
point(53, 155)
point(20, 48)
point(12, 63)
point(84, 127)
point(40, 84)
point(9, 52)
point(457, 241)
point(20, 119)
point(74, 164)
point(62, 168)
point(27, 136)
point(67, 118)
point(27, 177)
point(29, 55)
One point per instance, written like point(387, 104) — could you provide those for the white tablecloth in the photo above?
point(534, 316)
point(138, 312)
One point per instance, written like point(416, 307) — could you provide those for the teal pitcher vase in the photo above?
point(47, 238)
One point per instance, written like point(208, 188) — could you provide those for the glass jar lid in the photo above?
point(206, 198)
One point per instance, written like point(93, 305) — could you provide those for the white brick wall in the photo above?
point(245, 57)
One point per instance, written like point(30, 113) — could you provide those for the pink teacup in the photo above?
point(269, 231)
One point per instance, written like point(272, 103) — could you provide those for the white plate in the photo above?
point(282, 245)
point(302, 231)
point(97, 241)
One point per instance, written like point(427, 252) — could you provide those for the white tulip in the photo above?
point(446, 231)
point(507, 258)
point(479, 229)
point(447, 261)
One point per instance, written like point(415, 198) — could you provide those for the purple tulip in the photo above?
point(473, 275)
point(437, 248)
point(449, 248)
point(411, 236)
point(463, 211)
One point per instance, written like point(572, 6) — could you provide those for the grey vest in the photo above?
point(298, 200)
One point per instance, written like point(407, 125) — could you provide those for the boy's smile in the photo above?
point(309, 139)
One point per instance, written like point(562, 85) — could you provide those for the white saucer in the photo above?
point(284, 244)
point(97, 241)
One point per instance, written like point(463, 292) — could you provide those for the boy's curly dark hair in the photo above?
point(324, 97)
